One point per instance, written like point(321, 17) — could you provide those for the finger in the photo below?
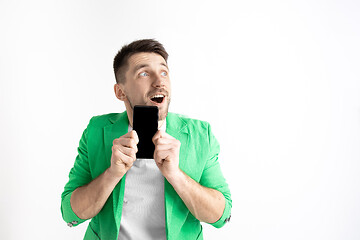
point(161, 148)
point(122, 157)
point(127, 135)
point(131, 152)
point(161, 134)
point(133, 134)
point(165, 141)
point(166, 135)
point(167, 144)
point(127, 142)
point(157, 135)
point(159, 161)
point(161, 156)
point(128, 161)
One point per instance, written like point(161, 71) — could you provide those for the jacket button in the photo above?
point(69, 224)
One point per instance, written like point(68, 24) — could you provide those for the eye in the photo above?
point(164, 74)
point(143, 74)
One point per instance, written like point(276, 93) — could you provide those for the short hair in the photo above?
point(144, 45)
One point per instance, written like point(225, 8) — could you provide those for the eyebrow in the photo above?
point(147, 65)
point(165, 65)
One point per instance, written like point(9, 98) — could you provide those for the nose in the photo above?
point(159, 81)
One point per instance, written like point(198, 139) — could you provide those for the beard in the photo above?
point(163, 111)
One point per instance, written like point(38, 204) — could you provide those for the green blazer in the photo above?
point(198, 158)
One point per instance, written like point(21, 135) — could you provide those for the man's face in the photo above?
point(147, 82)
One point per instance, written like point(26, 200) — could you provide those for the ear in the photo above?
point(119, 92)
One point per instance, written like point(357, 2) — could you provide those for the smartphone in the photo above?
point(145, 123)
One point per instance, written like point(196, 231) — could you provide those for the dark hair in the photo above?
point(144, 45)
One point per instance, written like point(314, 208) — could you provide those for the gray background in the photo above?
point(278, 80)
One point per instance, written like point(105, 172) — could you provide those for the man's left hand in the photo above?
point(166, 154)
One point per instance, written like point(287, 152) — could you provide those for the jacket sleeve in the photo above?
point(79, 176)
point(212, 177)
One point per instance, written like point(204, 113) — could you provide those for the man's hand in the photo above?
point(88, 200)
point(166, 154)
point(124, 151)
point(204, 203)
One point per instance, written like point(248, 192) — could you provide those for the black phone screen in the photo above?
point(145, 123)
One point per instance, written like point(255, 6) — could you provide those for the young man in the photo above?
point(161, 198)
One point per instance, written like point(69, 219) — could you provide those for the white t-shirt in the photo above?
point(143, 211)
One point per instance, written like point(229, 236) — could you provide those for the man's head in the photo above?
point(142, 76)
point(121, 59)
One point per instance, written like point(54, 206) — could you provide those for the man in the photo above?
point(161, 198)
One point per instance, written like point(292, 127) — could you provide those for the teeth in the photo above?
point(158, 96)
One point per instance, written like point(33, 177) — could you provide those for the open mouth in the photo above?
point(158, 98)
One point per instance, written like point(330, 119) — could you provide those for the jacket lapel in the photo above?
point(119, 127)
point(177, 128)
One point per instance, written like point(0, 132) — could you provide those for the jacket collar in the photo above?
point(120, 117)
point(174, 124)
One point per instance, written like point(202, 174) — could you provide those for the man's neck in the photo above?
point(160, 124)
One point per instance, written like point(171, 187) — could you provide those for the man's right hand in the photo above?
point(124, 151)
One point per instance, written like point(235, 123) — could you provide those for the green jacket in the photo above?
point(198, 158)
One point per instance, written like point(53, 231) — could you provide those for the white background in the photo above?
point(278, 80)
